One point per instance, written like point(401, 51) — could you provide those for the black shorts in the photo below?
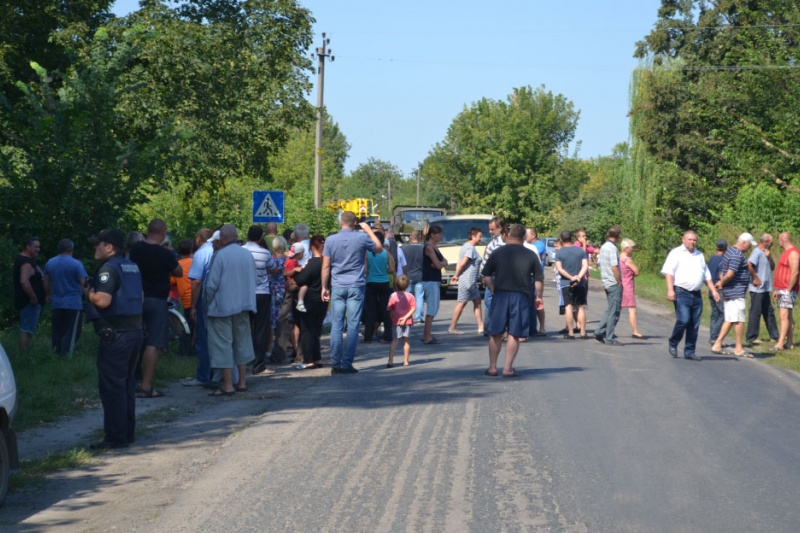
point(155, 316)
point(574, 295)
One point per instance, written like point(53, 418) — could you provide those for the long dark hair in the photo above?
point(380, 236)
point(317, 241)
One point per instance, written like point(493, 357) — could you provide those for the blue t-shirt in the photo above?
point(377, 268)
point(346, 251)
point(66, 276)
point(734, 260)
point(760, 264)
point(540, 246)
point(200, 262)
point(713, 267)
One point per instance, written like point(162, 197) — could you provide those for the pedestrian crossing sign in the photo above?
point(268, 206)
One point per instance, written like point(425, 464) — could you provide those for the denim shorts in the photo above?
point(402, 331)
point(431, 297)
point(155, 315)
point(29, 318)
point(510, 310)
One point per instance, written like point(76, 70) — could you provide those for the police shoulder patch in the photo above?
point(104, 277)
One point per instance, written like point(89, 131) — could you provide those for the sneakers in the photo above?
point(194, 382)
point(301, 307)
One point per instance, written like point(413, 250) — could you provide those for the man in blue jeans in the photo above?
point(717, 307)
point(413, 254)
point(685, 271)
point(343, 268)
point(612, 283)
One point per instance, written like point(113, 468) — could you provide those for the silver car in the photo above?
point(549, 251)
point(8, 408)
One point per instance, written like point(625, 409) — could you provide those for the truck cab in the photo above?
point(455, 234)
point(406, 219)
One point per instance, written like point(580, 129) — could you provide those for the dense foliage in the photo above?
point(507, 157)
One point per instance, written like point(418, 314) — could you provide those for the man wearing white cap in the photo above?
point(734, 280)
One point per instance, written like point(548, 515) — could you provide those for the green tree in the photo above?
point(720, 102)
point(29, 31)
point(371, 180)
point(71, 167)
point(504, 156)
point(236, 87)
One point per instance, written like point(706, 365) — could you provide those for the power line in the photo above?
point(568, 67)
point(550, 31)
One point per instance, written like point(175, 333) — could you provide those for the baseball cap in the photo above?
point(746, 237)
point(297, 248)
point(722, 245)
point(214, 237)
point(109, 236)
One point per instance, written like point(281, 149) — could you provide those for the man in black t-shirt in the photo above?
point(156, 265)
point(28, 290)
point(512, 266)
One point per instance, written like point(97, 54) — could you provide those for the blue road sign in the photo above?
point(268, 206)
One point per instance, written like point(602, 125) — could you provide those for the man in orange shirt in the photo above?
point(183, 287)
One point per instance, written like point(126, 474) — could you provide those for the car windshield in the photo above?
point(421, 215)
point(456, 232)
point(550, 243)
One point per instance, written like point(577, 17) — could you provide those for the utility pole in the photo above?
point(322, 52)
point(389, 209)
point(417, 187)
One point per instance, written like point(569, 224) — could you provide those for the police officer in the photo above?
point(115, 308)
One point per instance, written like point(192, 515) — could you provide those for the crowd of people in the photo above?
point(257, 302)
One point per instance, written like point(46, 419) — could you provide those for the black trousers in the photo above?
point(311, 331)
point(376, 303)
point(67, 325)
point(761, 306)
point(260, 325)
point(116, 368)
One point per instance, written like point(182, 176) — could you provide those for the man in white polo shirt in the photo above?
point(685, 271)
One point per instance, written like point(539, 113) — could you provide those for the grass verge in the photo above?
point(51, 386)
point(32, 472)
point(652, 287)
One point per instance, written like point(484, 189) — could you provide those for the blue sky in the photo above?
point(404, 70)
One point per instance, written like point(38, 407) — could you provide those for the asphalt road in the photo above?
point(590, 438)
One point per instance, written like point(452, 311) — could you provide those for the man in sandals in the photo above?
point(734, 280)
point(786, 283)
point(157, 265)
point(229, 291)
point(572, 266)
point(507, 275)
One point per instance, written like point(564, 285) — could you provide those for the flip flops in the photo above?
point(744, 355)
point(148, 393)
point(432, 340)
point(222, 392)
